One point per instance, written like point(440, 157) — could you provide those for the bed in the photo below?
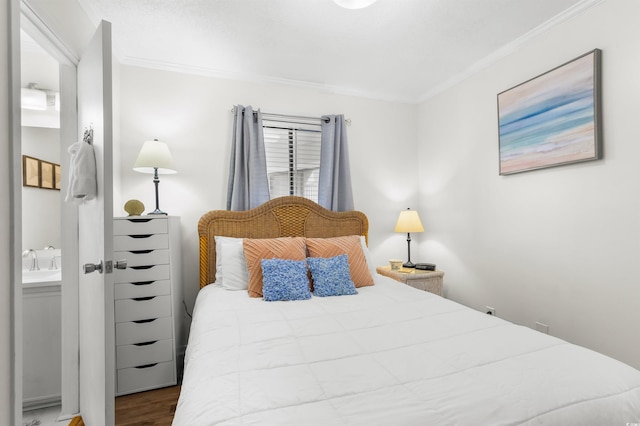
point(388, 355)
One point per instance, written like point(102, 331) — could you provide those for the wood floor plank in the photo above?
point(150, 408)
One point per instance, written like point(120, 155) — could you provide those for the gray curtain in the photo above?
point(248, 182)
point(334, 188)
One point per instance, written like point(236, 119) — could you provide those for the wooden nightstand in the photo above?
point(430, 281)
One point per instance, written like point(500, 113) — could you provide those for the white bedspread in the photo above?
point(391, 355)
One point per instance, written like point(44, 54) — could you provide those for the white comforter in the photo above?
point(391, 355)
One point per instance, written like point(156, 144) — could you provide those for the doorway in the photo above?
point(61, 79)
point(41, 231)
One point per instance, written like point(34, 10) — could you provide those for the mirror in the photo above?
point(41, 236)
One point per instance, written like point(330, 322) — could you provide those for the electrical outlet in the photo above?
point(542, 328)
point(489, 310)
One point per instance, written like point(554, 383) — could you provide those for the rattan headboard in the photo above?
point(281, 217)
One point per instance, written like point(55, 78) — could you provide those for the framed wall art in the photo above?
point(57, 176)
point(40, 174)
point(30, 171)
point(552, 119)
point(46, 175)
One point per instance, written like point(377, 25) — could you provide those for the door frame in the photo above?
point(23, 17)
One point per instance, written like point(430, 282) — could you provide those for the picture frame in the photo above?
point(38, 173)
point(57, 176)
point(47, 179)
point(30, 171)
point(552, 119)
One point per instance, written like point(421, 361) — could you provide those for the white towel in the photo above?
point(82, 177)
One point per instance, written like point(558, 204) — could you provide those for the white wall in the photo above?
point(192, 114)
point(559, 245)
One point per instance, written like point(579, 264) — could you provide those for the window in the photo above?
point(292, 148)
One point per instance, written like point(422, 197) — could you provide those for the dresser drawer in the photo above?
point(143, 257)
point(131, 332)
point(140, 242)
point(142, 273)
point(144, 353)
point(137, 226)
point(137, 379)
point(141, 289)
point(143, 308)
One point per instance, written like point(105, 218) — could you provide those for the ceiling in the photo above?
point(401, 50)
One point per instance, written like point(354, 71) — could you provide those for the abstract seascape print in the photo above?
point(551, 119)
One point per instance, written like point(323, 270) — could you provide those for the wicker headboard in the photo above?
point(281, 217)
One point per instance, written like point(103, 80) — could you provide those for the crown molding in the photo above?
point(346, 91)
point(256, 78)
point(511, 47)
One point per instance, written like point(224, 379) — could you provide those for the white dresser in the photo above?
point(148, 297)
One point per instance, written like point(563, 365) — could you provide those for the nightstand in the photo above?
point(430, 281)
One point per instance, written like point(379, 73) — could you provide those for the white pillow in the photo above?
point(231, 266)
point(367, 256)
point(218, 243)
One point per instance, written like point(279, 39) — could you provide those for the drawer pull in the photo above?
point(142, 299)
point(140, 251)
point(143, 282)
point(142, 267)
point(141, 236)
point(145, 321)
point(146, 365)
point(145, 343)
point(139, 220)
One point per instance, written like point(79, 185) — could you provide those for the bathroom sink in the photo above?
point(43, 275)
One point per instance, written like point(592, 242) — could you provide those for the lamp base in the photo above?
point(157, 211)
point(409, 264)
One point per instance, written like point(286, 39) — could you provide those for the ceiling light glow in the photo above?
point(354, 4)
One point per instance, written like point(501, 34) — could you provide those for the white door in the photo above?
point(95, 229)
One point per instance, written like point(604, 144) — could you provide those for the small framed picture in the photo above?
point(47, 179)
point(30, 171)
point(57, 176)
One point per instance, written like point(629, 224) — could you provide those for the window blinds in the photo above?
point(292, 148)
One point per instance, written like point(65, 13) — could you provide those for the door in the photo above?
point(95, 234)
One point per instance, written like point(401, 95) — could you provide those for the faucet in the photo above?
point(34, 259)
point(53, 264)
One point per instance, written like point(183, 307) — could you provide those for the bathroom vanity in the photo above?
point(42, 335)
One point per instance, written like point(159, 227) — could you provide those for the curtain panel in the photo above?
point(248, 183)
point(334, 188)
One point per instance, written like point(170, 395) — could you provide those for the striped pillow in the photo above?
point(351, 246)
point(269, 248)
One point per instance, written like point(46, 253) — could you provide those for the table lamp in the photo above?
point(409, 222)
point(154, 157)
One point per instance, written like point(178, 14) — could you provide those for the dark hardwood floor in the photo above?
point(150, 408)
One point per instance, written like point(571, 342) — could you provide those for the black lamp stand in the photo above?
point(408, 263)
point(156, 181)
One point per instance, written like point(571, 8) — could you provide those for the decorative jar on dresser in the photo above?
point(148, 297)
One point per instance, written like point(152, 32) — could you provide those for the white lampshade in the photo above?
point(354, 4)
point(409, 221)
point(154, 154)
point(33, 99)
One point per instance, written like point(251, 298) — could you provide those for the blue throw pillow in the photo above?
point(284, 279)
point(331, 276)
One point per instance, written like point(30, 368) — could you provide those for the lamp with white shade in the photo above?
point(155, 157)
point(409, 221)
